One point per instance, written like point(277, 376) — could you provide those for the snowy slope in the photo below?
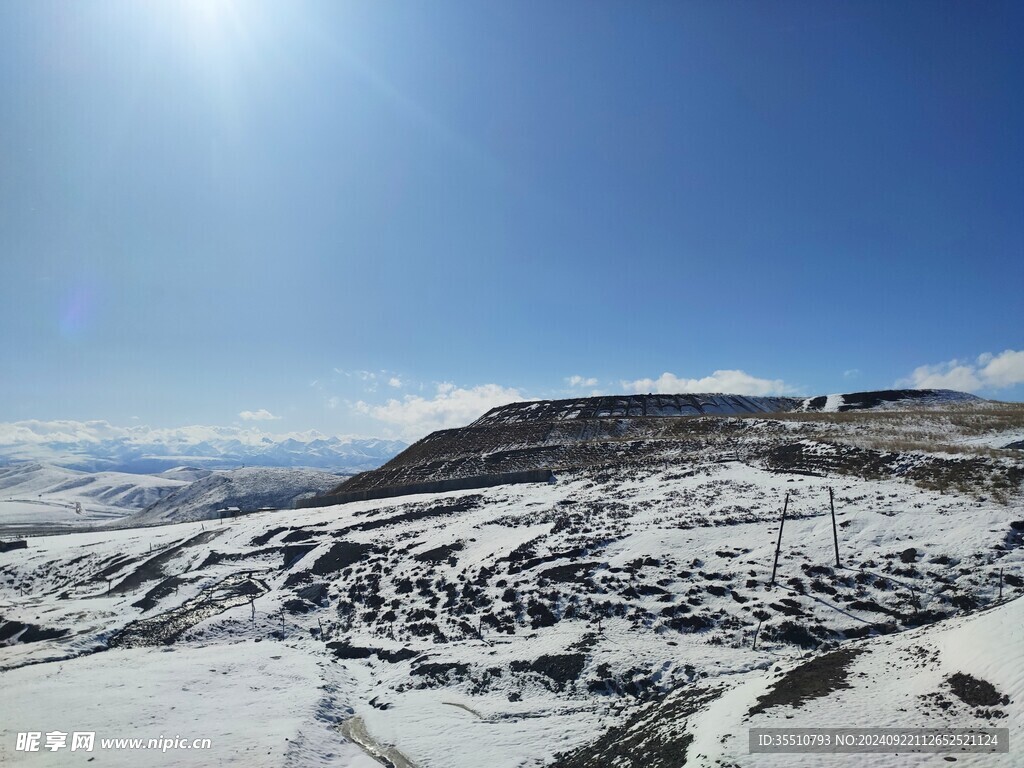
point(33, 494)
point(906, 680)
point(203, 692)
point(911, 680)
point(890, 399)
point(247, 489)
point(187, 474)
point(598, 431)
point(110, 489)
point(507, 626)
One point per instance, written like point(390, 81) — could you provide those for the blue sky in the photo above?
point(380, 218)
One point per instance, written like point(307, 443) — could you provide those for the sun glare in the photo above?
point(209, 21)
point(208, 13)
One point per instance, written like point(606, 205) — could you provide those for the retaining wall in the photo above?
point(435, 486)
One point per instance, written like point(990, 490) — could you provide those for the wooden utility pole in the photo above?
point(835, 529)
point(778, 544)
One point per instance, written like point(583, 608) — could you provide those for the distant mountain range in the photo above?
point(99, 446)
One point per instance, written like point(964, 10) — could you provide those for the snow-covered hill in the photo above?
point(187, 474)
point(36, 495)
point(97, 445)
point(607, 619)
point(246, 489)
point(36, 498)
point(597, 431)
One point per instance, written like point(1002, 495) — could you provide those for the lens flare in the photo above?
point(76, 312)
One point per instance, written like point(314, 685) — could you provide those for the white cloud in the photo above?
point(988, 371)
point(359, 374)
point(1003, 370)
point(395, 382)
point(951, 375)
point(581, 381)
point(261, 415)
point(726, 382)
point(37, 432)
point(414, 416)
point(62, 431)
point(852, 373)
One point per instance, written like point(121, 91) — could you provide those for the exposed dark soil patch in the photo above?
point(439, 554)
point(870, 605)
point(159, 592)
point(341, 555)
point(465, 504)
point(920, 618)
point(574, 573)
point(154, 568)
point(343, 650)
point(562, 669)
point(806, 636)
point(788, 606)
point(216, 557)
point(12, 632)
point(1015, 536)
point(654, 737)
point(441, 673)
point(931, 472)
point(861, 400)
point(519, 559)
point(292, 553)
point(296, 606)
point(975, 692)
point(695, 623)
point(813, 680)
point(110, 567)
point(263, 538)
point(165, 628)
point(299, 534)
point(314, 593)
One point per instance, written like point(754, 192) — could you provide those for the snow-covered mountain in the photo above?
point(37, 496)
point(97, 445)
point(607, 619)
point(591, 431)
point(246, 489)
point(102, 489)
